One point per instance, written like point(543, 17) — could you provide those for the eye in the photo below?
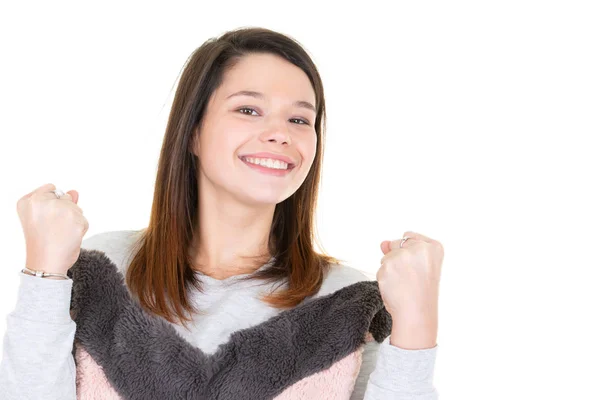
point(302, 121)
point(246, 108)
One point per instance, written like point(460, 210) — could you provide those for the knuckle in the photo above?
point(437, 247)
point(420, 246)
point(440, 247)
point(38, 197)
point(422, 249)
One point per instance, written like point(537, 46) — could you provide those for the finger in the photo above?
point(385, 246)
point(418, 236)
point(395, 244)
point(66, 196)
point(74, 194)
point(44, 188)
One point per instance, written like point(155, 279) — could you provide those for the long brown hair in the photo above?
point(161, 268)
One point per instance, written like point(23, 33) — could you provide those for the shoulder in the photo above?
point(339, 276)
point(117, 245)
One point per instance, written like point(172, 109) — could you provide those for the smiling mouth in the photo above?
point(289, 166)
point(268, 171)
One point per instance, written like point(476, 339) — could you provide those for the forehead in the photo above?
point(270, 74)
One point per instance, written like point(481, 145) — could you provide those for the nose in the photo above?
point(277, 132)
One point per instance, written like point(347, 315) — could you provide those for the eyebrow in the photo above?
point(258, 95)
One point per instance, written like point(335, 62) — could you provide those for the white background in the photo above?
point(472, 122)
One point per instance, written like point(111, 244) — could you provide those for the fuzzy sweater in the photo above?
point(335, 345)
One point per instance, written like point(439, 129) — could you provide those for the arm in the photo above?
point(37, 361)
point(389, 372)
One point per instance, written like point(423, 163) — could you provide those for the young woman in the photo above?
point(222, 295)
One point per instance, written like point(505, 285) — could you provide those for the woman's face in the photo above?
point(278, 121)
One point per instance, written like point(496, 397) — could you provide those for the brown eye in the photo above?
point(246, 108)
point(303, 121)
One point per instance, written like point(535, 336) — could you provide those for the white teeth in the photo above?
point(267, 162)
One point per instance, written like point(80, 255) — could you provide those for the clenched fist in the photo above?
point(409, 279)
point(53, 229)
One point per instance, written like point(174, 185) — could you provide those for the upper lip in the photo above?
point(274, 156)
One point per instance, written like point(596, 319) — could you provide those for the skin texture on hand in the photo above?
point(409, 279)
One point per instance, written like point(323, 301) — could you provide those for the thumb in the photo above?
point(74, 195)
point(385, 246)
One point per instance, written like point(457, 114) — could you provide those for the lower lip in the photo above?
point(268, 171)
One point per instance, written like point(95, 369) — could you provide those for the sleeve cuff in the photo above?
point(400, 369)
point(45, 300)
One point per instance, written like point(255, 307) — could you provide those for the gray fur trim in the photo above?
point(144, 357)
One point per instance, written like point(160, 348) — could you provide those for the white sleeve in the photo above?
point(389, 372)
point(37, 361)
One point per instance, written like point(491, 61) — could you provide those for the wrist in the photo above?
point(55, 278)
point(413, 342)
point(45, 274)
point(411, 335)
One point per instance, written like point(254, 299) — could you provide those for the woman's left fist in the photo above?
point(409, 279)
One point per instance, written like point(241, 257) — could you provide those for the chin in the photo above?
point(266, 198)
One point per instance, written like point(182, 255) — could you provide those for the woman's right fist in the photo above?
point(53, 229)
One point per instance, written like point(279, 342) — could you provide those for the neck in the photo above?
point(230, 238)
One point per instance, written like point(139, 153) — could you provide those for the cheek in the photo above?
point(309, 151)
point(213, 148)
point(220, 147)
point(216, 139)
